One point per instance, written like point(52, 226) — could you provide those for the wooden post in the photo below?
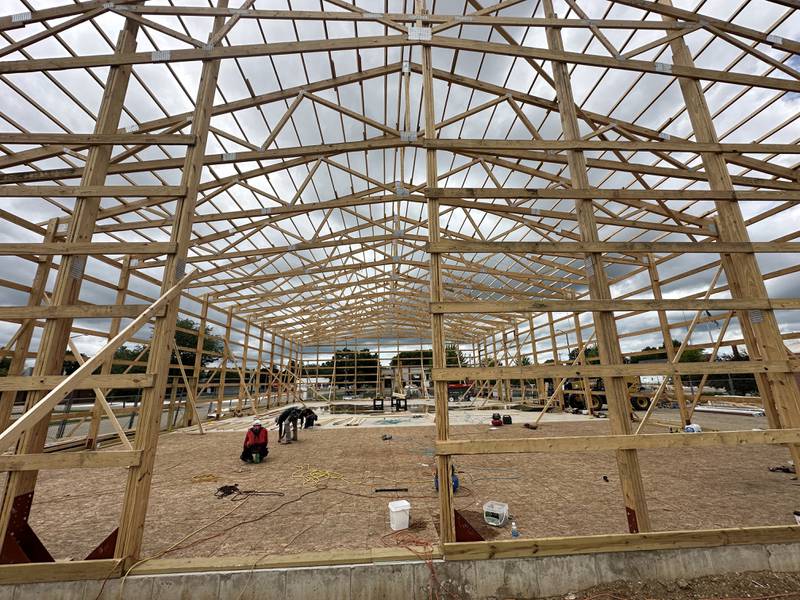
point(134, 507)
point(742, 270)
point(605, 326)
point(197, 369)
point(19, 490)
point(447, 523)
point(332, 389)
point(518, 346)
point(281, 372)
point(243, 382)
point(223, 365)
point(556, 360)
point(172, 397)
point(97, 410)
point(17, 363)
point(541, 392)
point(586, 388)
point(271, 376)
point(666, 334)
point(259, 368)
point(378, 380)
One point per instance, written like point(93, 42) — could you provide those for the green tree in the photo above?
point(412, 358)
point(652, 353)
point(348, 366)
point(522, 361)
point(591, 354)
point(186, 332)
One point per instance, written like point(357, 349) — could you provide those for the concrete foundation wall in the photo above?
point(484, 579)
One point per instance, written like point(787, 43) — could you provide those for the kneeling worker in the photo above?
point(255, 443)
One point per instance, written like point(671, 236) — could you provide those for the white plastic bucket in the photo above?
point(399, 514)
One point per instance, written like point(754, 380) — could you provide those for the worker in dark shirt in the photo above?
point(255, 443)
point(308, 417)
point(284, 420)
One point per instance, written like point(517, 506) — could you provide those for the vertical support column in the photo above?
point(556, 359)
point(742, 271)
point(355, 367)
point(332, 387)
point(97, 411)
point(378, 380)
point(296, 370)
point(188, 413)
point(17, 363)
point(518, 346)
point(259, 368)
point(666, 334)
point(223, 365)
point(541, 393)
point(582, 360)
point(20, 486)
point(172, 399)
point(447, 523)
point(498, 384)
point(509, 391)
point(134, 507)
point(243, 382)
point(281, 372)
point(271, 375)
point(607, 340)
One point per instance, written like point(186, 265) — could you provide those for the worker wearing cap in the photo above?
point(255, 442)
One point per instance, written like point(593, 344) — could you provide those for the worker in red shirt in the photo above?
point(255, 443)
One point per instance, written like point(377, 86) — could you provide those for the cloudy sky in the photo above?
point(68, 101)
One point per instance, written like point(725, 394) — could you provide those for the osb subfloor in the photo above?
point(548, 495)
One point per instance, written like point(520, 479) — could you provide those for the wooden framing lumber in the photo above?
point(77, 311)
point(612, 305)
point(590, 544)
point(70, 460)
point(38, 383)
point(607, 339)
point(619, 370)
point(604, 443)
point(309, 219)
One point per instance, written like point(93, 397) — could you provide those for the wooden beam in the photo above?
point(22, 383)
point(485, 307)
point(72, 191)
point(69, 570)
point(616, 370)
point(87, 248)
point(612, 194)
point(577, 248)
point(37, 412)
point(137, 490)
point(606, 443)
point(626, 542)
point(630, 476)
point(742, 270)
point(76, 311)
point(30, 430)
point(92, 139)
point(70, 460)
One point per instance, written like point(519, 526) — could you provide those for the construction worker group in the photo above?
point(256, 440)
